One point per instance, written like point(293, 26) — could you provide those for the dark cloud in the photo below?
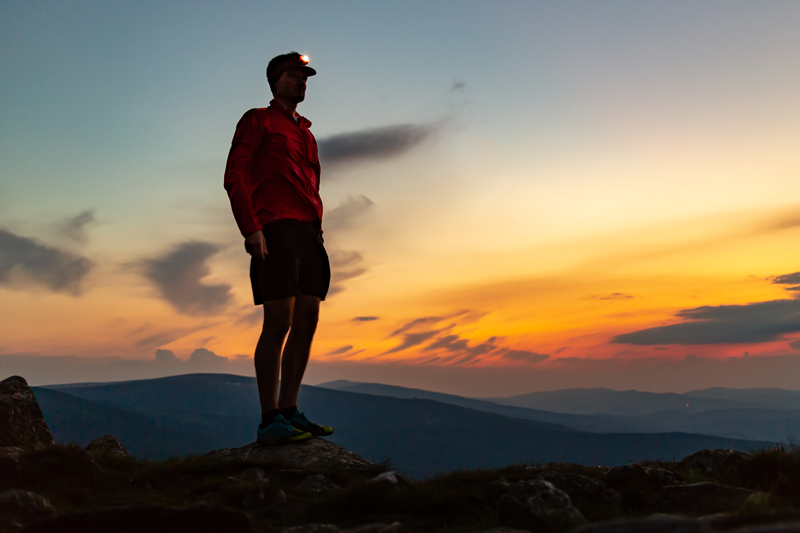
point(75, 228)
point(795, 345)
point(460, 348)
point(166, 356)
point(24, 261)
point(202, 356)
point(524, 356)
point(345, 265)
point(364, 318)
point(787, 279)
point(339, 351)
point(345, 214)
point(612, 296)
point(413, 339)
point(417, 322)
point(756, 322)
point(375, 144)
point(451, 343)
point(458, 86)
point(178, 274)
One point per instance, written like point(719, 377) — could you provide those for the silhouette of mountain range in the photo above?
point(196, 413)
point(769, 414)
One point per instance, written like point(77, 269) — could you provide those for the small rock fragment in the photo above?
point(318, 483)
point(252, 475)
point(387, 477)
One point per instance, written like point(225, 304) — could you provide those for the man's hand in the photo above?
point(256, 245)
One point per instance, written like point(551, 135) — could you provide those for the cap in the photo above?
point(279, 64)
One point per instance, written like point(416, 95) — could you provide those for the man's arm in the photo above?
point(246, 141)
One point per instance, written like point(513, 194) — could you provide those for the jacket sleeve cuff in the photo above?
point(252, 227)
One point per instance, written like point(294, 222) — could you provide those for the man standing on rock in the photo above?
point(272, 179)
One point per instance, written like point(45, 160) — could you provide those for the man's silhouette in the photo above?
point(272, 179)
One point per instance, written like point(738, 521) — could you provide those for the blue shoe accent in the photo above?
point(302, 423)
point(281, 431)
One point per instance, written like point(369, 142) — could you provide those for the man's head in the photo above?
point(287, 75)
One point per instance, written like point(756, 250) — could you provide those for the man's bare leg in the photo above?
point(305, 315)
point(277, 322)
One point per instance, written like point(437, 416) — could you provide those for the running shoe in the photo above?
point(302, 423)
point(280, 431)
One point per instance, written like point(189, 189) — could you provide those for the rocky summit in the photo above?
point(21, 420)
point(320, 487)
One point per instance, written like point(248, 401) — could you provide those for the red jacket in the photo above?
point(273, 169)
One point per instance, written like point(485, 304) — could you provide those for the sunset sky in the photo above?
point(537, 195)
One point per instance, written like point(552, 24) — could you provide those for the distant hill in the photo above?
point(764, 398)
point(778, 425)
point(612, 402)
point(421, 436)
point(77, 421)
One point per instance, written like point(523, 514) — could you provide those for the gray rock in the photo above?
point(514, 513)
point(661, 477)
point(280, 499)
point(22, 507)
point(259, 495)
point(21, 420)
point(199, 518)
point(108, 445)
point(715, 461)
point(311, 528)
point(702, 498)
point(389, 477)
point(252, 475)
point(10, 451)
point(593, 498)
point(627, 476)
point(542, 501)
point(313, 453)
point(554, 505)
point(652, 524)
point(318, 483)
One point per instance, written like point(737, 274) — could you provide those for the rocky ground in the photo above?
point(318, 486)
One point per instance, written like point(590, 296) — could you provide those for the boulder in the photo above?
point(640, 486)
point(593, 498)
point(718, 463)
point(198, 518)
point(22, 507)
point(529, 502)
point(21, 420)
point(702, 498)
point(318, 483)
point(108, 445)
point(313, 453)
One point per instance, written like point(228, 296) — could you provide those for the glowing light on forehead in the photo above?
point(304, 59)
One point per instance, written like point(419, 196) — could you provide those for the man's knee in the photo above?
point(306, 315)
point(277, 318)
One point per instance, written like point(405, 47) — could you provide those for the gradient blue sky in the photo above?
point(582, 150)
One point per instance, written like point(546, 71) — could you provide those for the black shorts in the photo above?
point(296, 262)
